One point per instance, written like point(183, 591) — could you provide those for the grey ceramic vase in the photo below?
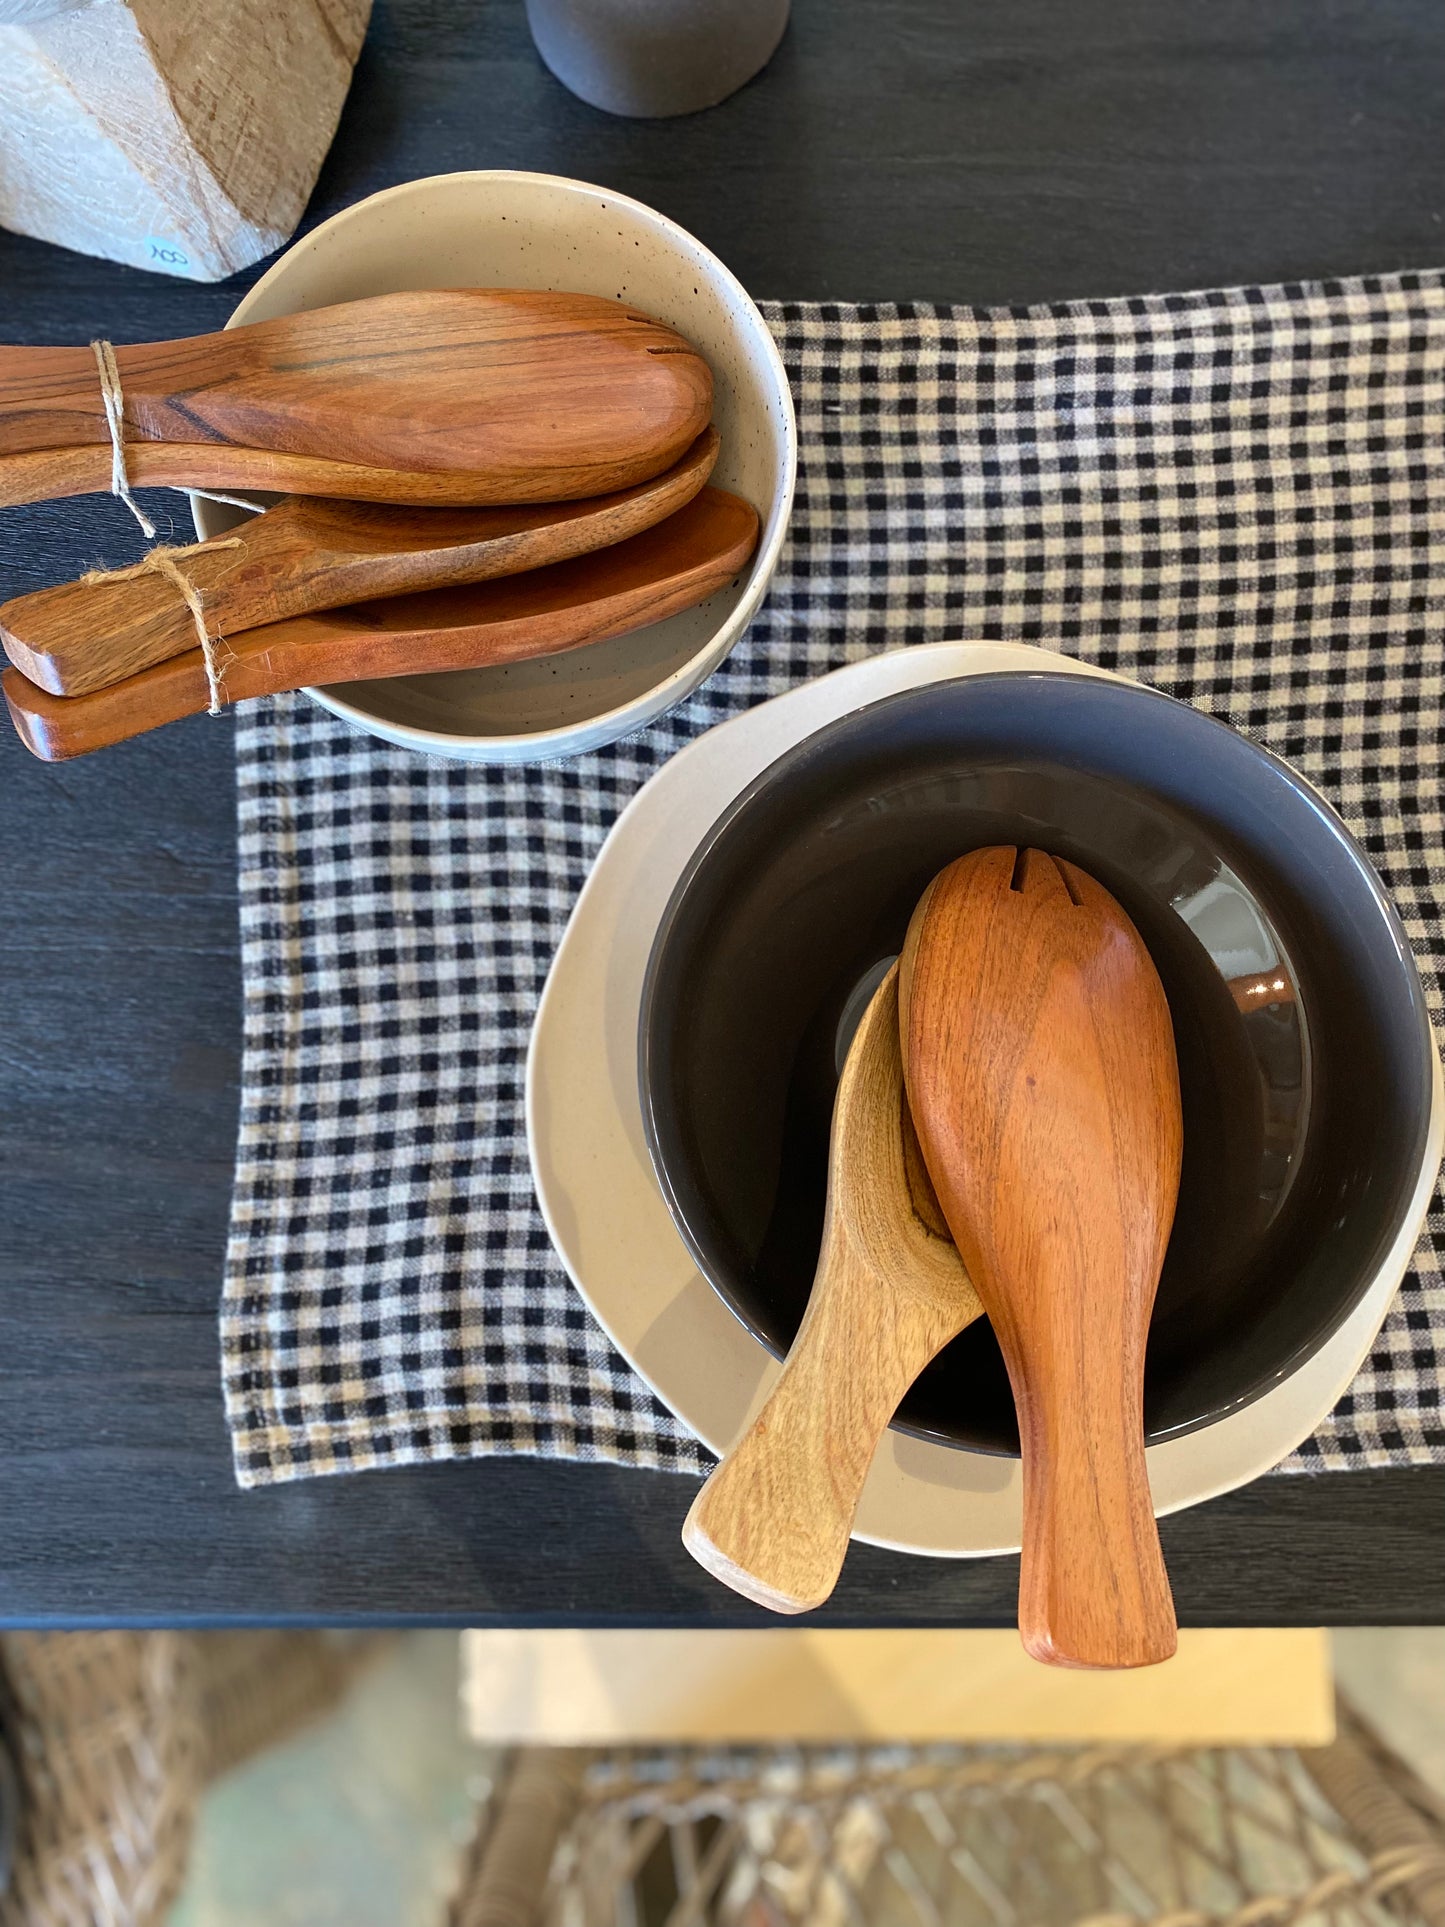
point(652, 58)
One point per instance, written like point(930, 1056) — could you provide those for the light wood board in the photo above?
point(1270, 1687)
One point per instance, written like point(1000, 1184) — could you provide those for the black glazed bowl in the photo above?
point(1304, 1048)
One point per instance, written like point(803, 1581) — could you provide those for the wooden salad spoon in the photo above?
point(1040, 1065)
point(460, 396)
point(304, 555)
point(890, 1292)
point(679, 562)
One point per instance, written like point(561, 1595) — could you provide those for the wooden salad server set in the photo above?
point(671, 566)
point(452, 396)
point(1038, 1058)
point(309, 553)
point(475, 476)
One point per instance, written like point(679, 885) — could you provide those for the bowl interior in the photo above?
point(1299, 1022)
point(538, 231)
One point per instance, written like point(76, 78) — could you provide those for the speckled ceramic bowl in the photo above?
point(506, 230)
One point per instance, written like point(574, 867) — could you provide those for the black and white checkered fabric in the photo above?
point(1237, 496)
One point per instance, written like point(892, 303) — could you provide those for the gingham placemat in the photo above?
point(1237, 496)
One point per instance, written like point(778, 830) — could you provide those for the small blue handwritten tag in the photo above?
point(166, 254)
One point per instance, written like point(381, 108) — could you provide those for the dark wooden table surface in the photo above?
point(945, 149)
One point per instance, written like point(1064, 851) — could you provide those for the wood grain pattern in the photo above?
point(529, 396)
point(50, 475)
point(890, 1291)
point(305, 555)
point(1039, 1056)
point(678, 563)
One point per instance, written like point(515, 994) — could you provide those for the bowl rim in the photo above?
point(1120, 689)
point(593, 731)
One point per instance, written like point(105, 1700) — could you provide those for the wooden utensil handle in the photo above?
point(1093, 1591)
point(773, 1520)
point(50, 398)
point(51, 474)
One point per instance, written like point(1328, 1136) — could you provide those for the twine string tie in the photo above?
point(165, 562)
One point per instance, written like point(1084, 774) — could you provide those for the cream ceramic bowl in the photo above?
point(509, 230)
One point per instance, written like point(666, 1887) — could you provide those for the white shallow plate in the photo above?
point(608, 1221)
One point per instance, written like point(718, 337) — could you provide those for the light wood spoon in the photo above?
point(680, 562)
point(454, 395)
point(1041, 1071)
point(304, 555)
point(890, 1292)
